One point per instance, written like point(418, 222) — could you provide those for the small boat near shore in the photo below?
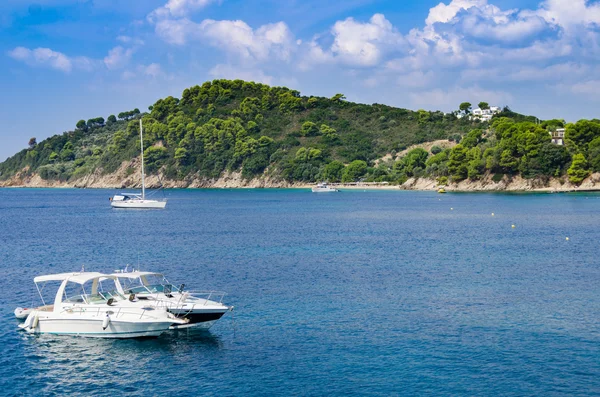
point(200, 309)
point(323, 188)
point(98, 314)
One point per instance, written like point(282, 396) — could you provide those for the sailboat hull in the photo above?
point(139, 204)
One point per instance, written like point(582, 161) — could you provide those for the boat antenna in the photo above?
point(142, 146)
point(82, 268)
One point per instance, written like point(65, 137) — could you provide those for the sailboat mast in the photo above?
point(142, 146)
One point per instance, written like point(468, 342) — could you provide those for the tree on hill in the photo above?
point(416, 158)
point(111, 119)
point(338, 98)
point(97, 122)
point(484, 105)
point(580, 134)
point(81, 125)
point(128, 115)
point(465, 107)
point(32, 143)
point(578, 170)
point(472, 138)
point(333, 171)
point(457, 163)
point(354, 171)
point(309, 129)
point(553, 124)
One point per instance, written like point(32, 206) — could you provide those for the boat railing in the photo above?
point(182, 298)
point(215, 296)
point(113, 311)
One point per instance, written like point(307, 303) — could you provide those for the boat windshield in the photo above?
point(150, 289)
point(94, 299)
point(148, 284)
point(86, 299)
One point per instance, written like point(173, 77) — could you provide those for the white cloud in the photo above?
point(130, 40)
point(270, 41)
point(178, 9)
point(238, 38)
point(149, 72)
point(53, 59)
point(175, 31)
point(359, 44)
point(118, 58)
point(564, 72)
point(588, 88)
point(445, 13)
point(491, 23)
point(569, 14)
point(153, 70)
point(416, 79)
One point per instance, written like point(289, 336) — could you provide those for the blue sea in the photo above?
point(354, 293)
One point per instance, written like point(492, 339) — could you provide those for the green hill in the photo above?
point(274, 131)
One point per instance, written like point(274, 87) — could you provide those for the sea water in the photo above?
point(350, 293)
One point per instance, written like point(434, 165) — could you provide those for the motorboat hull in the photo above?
point(78, 325)
point(201, 319)
point(139, 204)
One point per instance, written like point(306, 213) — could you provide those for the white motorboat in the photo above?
point(201, 309)
point(137, 200)
point(323, 188)
point(98, 314)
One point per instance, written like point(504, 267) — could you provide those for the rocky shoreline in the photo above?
point(122, 179)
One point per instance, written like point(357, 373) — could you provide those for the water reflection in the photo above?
point(87, 364)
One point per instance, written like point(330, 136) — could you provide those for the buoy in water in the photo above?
point(105, 322)
point(451, 209)
point(513, 226)
point(492, 214)
point(567, 239)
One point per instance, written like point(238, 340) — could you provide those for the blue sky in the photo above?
point(65, 60)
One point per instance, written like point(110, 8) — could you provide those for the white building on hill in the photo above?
point(558, 136)
point(485, 114)
point(480, 114)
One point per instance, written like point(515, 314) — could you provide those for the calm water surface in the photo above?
point(379, 293)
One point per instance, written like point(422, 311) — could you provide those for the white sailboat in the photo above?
point(136, 200)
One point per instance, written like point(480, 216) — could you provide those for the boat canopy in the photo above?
point(78, 278)
point(53, 277)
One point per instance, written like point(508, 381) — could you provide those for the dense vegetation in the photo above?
point(256, 129)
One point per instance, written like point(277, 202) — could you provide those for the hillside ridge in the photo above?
point(234, 133)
